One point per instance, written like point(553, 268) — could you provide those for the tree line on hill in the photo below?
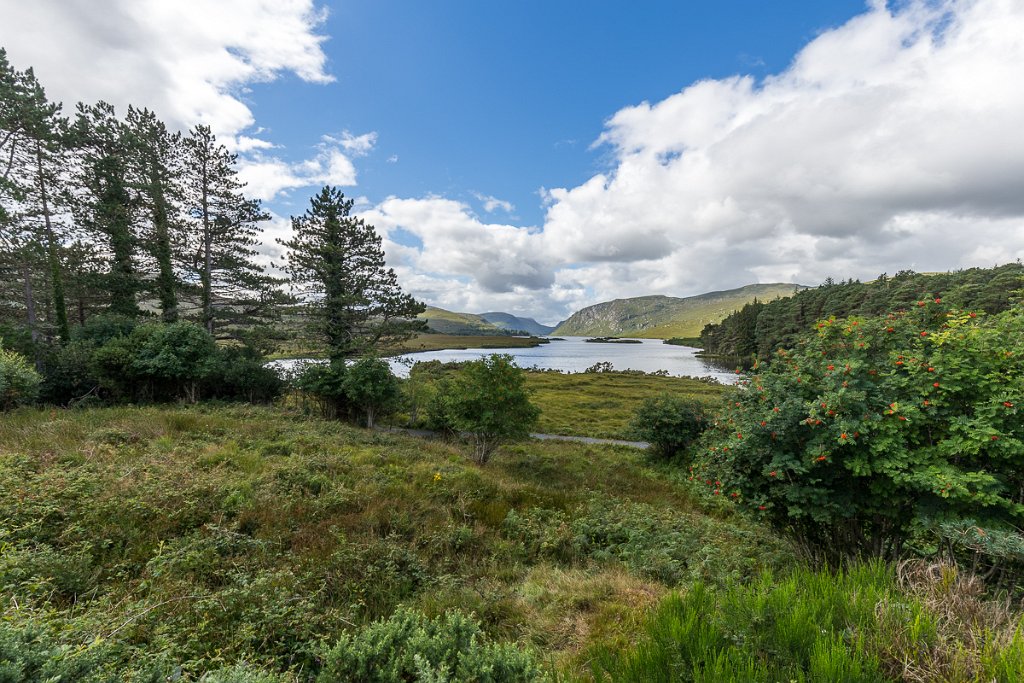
point(759, 328)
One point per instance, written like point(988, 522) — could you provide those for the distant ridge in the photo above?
point(496, 323)
point(507, 321)
point(664, 317)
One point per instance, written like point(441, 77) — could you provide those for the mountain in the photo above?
point(663, 317)
point(450, 322)
point(507, 321)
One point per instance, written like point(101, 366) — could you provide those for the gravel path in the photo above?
point(426, 433)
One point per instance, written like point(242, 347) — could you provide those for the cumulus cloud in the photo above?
point(357, 145)
point(268, 176)
point(492, 204)
point(188, 60)
point(455, 243)
point(891, 141)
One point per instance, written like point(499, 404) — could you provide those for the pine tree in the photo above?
point(336, 265)
point(156, 166)
point(105, 206)
point(234, 289)
point(33, 135)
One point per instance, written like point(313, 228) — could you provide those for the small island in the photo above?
point(613, 340)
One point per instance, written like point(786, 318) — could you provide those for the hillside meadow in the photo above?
point(239, 543)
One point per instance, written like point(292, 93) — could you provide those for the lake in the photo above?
point(575, 354)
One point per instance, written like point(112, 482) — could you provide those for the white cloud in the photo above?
point(267, 177)
point(189, 60)
point(892, 141)
point(492, 204)
point(499, 258)
point(357, 145)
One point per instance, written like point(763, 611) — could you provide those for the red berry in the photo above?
point(935, 384)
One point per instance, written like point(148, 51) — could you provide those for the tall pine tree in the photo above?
point(156, 164)
point(33, 135)
point(234, 289)
point(104, 205)
point(337, 268)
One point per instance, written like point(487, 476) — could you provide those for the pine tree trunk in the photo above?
point(165, 279)
point(30, 307)
point(56, 276)
point(207, 274)
point(124, 282)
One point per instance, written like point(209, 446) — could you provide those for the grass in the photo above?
point(439, 342)
point(209, 536)
point(601, 404)
point(853, 625)
point(156, 542)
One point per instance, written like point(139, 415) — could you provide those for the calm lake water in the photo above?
point(574, 354)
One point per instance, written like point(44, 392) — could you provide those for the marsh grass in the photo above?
point(601, 404)
point(858, 624)
point(244, 542)
point(210, 535)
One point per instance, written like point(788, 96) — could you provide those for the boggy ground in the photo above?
point(198, 538)
point(210, 535)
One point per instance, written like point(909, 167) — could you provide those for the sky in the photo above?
point(537, 157)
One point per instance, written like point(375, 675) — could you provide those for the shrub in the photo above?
point(488, 399)
point(19, 381)
point(175, 358)
point(326, 385)
point(69, 374)
point(239, 373)
point(412, 647)
point(100, 329)
point(371, 388)
point(872, 426)
point(670, 423)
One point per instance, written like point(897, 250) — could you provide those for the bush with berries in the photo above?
point(872, 429)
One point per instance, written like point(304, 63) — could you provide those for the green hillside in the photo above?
point(507, 321)
point(664, 317)
point(450, 322)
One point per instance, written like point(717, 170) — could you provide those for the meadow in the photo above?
point(601, 404)
point(243, 543)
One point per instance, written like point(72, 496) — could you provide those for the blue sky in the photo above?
point(538, 157)
point(501, 99)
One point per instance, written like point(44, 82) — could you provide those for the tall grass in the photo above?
point(858, 624)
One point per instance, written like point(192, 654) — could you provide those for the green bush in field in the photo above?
point(19, 381)
point(487, 399)
point(174, 358)
point(411, 647)
point(239, 373)
point(68, 373)
point(874, 426)
point(670, 423)
point(371, 388)
point(326, 385)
